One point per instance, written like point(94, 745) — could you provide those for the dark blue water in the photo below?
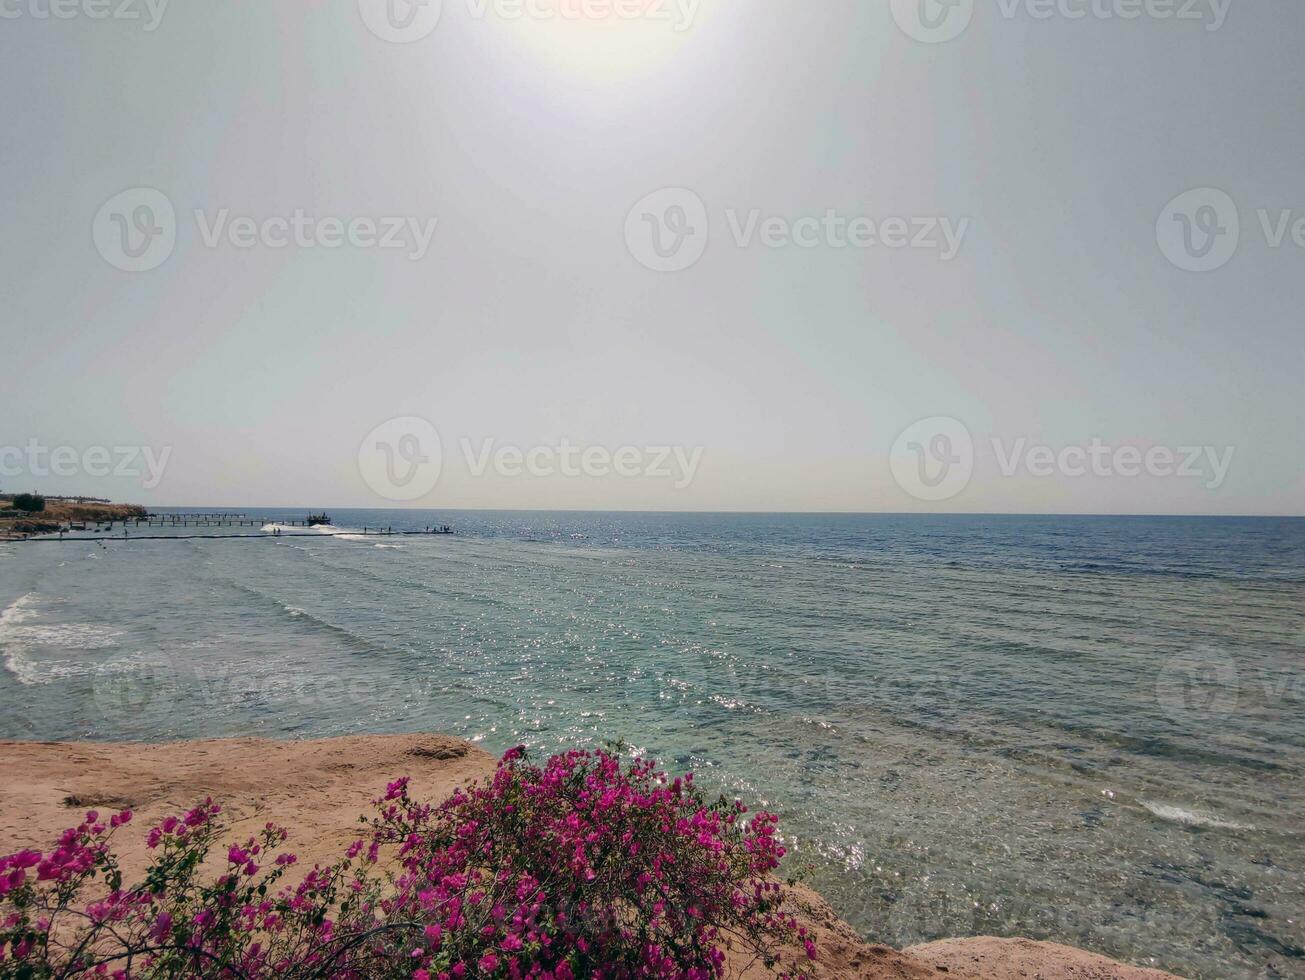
point(1076, 728)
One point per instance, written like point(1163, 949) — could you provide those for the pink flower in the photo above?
point(161, 928)
point(23, 859)
point(12, 880)
point(517, 875)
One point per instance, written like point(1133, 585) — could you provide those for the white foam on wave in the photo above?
point(331, 530)
point(48, 672)
point(271, 526)
point(1190, 818)
point(16, 613)
point(19, 636)
point(72, 636)
point(364, 538)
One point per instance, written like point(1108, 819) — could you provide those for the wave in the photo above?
point(325, 530)
point(300, 615)
point(71, 636)
point(271, 526)
point(18, 637)
point(1191, 818)
point(11, 619)
point(17, 611)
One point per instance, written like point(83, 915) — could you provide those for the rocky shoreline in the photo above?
point(321, 786)
point(15, 524)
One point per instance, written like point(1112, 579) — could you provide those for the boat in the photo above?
point(317, 520)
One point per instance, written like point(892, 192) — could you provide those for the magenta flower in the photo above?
point(584, 866)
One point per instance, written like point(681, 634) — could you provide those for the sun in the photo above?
point(602, 38)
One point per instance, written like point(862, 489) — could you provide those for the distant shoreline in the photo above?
point(17, 525)
point(345, 508)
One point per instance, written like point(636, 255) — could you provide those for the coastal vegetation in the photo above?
point(588, 865)
point(29, 503)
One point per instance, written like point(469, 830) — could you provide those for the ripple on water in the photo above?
point(1191, 818)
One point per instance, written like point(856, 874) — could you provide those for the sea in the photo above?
point(1082, 729)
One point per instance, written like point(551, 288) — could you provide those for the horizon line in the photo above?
point(757, 513)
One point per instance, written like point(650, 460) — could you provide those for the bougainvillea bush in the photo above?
point(587, 866)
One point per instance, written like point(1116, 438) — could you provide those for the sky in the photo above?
point(905, 256)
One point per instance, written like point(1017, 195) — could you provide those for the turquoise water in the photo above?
point(1082, 729)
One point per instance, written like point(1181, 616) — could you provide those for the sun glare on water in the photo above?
point(601, 38)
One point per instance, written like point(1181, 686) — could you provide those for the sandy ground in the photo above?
point(323, 786)
point(320, 787)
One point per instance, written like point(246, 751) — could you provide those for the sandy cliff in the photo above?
point(321, 787)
